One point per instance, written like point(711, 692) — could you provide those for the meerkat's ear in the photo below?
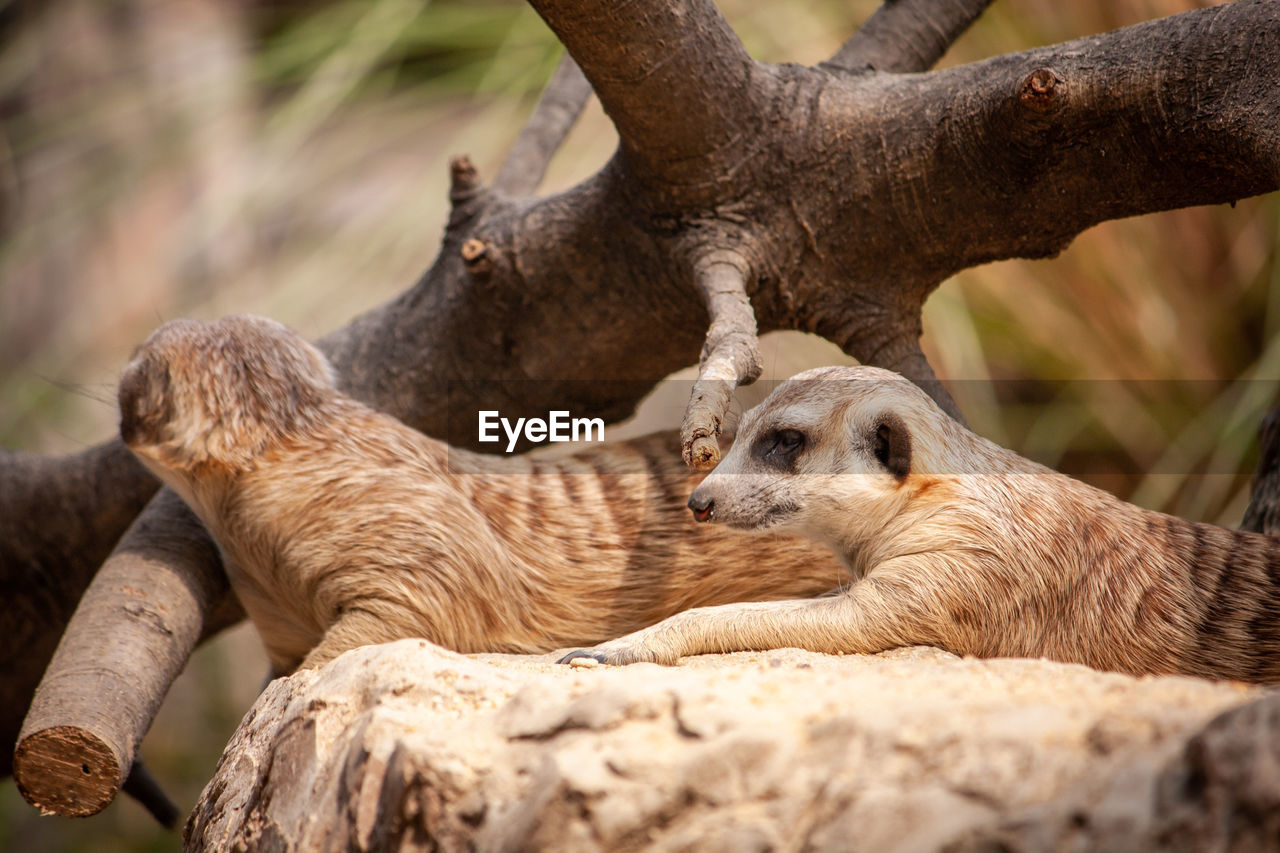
point(891, 444)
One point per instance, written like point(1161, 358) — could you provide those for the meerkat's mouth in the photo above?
point(770, 518)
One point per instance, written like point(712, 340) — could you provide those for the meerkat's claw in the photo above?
point(583, 657)
point(615, 654)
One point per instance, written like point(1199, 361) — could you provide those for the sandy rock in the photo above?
point(410, 747)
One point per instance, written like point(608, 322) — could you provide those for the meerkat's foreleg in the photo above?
point(355, 627)
point(872, 616)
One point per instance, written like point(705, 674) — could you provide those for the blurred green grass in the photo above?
point(195, 158)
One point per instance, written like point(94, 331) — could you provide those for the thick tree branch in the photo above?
point(730, 356)
point(557, 111)
point(907, 35)
point(863, 196)
point(1014, 156)
point(104, 686)
point(59, 519)
point(641, 59)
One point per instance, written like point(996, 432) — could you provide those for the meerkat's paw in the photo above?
point(616, 653)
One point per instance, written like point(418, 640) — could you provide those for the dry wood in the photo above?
point(106, 680)
point(55, 531)
point(408, 747)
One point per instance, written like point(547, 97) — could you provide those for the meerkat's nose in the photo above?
point(702, 506)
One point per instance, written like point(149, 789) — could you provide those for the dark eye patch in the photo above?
point(780, 448)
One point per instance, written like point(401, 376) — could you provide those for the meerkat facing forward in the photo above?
point(343, 527)
point(958, 543)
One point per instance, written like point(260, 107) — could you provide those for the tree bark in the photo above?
point(848, 194)
point(730, 357)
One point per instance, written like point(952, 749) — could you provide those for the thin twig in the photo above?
point(907, 35)
point(557, 111)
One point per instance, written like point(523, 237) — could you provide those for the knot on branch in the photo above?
point(730, 355)
point(1032, 116)
point(477, 257)
point(1040, 91)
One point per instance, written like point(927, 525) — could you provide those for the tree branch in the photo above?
point(641, 59)
point(907, 35)
point(59, 519)
point(1014, 156)
point(557, 111)
point(104, 685)
point(730, 356)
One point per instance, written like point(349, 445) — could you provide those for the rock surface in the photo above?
point(410, 747)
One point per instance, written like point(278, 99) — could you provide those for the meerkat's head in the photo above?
point(219, 393)
point(832, 454)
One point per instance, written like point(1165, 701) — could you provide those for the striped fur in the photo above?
point(343, 527)
point(974, 549)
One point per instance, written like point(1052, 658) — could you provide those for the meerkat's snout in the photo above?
point(702, 504)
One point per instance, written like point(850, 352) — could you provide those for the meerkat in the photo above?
point(955, 542)
point(343, 527)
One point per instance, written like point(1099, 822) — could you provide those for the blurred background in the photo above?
point(165, 158)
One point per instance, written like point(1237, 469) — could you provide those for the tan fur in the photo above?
point(974, 549)
point(343, 527)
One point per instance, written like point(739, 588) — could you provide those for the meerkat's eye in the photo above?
point(779, 448)
point(788, 441)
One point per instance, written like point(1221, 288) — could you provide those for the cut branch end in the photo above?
point(67, 771)
point(703, 454)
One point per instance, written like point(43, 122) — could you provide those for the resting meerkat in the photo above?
point(955, 542)
point(343, 527)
